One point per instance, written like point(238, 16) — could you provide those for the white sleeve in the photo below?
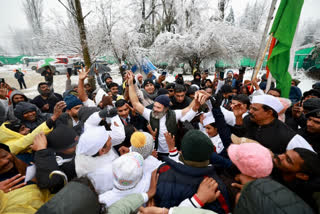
point(299, 142)
point(220, 84)
point(188, 116)
point(191, 202)
point(174, 155)
point(93, 120)
point(258, 92)
point(146, 114)
point(89, 103)
point(117, 132)
point(228, 116)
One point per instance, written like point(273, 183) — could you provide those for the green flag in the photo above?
point(283, 29)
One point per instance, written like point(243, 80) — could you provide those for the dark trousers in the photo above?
point(22, 83)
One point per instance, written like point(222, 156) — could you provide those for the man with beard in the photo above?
point(161, 118)
point(262, 125)
point(47, 98)
point(298, 169)
point(15, 97)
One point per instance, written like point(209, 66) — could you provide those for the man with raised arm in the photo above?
point(161, 118)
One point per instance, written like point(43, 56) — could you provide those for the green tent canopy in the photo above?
point(12, 60)
point(301, 55)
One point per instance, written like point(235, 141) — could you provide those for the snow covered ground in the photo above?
point(32, 79)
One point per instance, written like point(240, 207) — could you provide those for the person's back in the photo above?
point(178, 181)
point(268, 196)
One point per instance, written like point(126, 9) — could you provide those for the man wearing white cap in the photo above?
point(262, 125)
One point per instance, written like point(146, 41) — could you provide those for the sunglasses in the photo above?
point(171, 90)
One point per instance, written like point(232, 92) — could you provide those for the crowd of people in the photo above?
point(222, 145)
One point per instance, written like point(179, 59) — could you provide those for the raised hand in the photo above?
point(207, 191)
point(123, 150)
point(58, 109)
point(39, 142)
point(10, 184)
point(133, 111)
point(130, 77)
point(83, 74)
point(153, 133)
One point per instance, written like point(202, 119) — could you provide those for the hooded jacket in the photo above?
point(266, 196)
point(10, 113)
point(24, 107)
point(64, 201)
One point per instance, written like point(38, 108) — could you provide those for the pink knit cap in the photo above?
point(252, 159)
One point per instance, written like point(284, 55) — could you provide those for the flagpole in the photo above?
point(261, 59)
point(265, 32)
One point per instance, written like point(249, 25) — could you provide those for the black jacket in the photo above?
point(312, 138)
point(185, 103)
point(266, 196)
point(294, 123)
point(52, 100)
point(274, 136)
point(45, 161)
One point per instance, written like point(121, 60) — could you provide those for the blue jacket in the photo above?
point(177, 182)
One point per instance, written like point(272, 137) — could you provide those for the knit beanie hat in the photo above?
point(251, 159)
point(147, 81)
point(311, 104)
point(142, 142)
point(314, 113)
point(92, 140)
point(196, 148)
point(163, 99)
point(127, 171)
point(72, 101)
point(62, 138)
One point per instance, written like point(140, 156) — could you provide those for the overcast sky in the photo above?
point(12, 14)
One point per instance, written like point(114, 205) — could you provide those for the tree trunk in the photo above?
point(194, 63)
point(221, 6)
point(83, 40)
point(143, 16)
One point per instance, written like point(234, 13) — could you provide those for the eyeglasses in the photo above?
point(171, 90)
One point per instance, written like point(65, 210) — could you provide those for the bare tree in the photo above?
point(75, 10)
point(222, 6)
point(33, 11)
point(254, 15)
